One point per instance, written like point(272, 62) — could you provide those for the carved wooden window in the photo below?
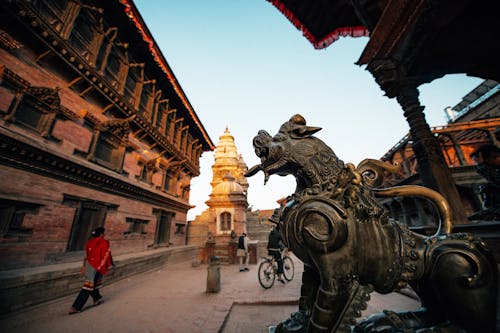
point(189, 145)
point(12, 214)
point(147, 171)
point(60, 14)
point(105, 48)
point(106, 149)
point(87, 33)
point(136, 226)
point(180, 229)
point(177, 130)
point(169, 124)
point(185, 192)
point(168, 181)
point(191, 148)
point(163, 226)
point(109, 143)
point(115, 69)
point(133, 83)
point(196, 154)
point(184, 135)
point(146, 99)
point(225, 222)
point(160, 119)
point(36, 109)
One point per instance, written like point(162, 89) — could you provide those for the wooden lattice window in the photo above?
point(109, 142)
point(12, 214)
point(180, 229)
point(116, 66)
point(168, 181)
point(106, 148)
point(147, 171)
point(225, 222)
point(133, 83)
point(36, 109)
point(184, 136)
point(136, 226)
point(176, 134)
point(161, 114)
point(87, 33)
point(146, 99)
point(60, 14)
point(105, 48)
point(169, 123)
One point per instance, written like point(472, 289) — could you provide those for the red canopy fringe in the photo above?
point(357, 31)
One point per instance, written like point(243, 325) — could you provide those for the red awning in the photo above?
point(322, 21)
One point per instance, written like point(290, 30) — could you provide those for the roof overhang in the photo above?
point(322, 22)
point(411, 41)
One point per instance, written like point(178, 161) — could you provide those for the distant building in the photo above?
point(228, 215)
point(95, 130)
point(225, 217)
point(473, 122)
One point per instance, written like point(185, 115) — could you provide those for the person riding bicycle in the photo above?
point(275, 246)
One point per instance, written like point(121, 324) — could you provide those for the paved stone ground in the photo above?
point(174, 299)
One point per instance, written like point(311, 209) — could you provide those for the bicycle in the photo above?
point(268, 269)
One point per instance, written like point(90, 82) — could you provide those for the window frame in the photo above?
point(222, 219)
point(9, 210)
point(134, 224)
point(43, 101)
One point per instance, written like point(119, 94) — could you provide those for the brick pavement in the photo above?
point(173, 299)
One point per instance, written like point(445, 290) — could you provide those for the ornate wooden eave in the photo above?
point(417, 41)
point(134, 15)
point(59, 46)
point(394, 24)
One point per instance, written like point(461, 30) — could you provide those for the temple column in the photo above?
point(432, 168)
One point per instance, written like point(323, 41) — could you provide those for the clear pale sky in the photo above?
point(242, 64)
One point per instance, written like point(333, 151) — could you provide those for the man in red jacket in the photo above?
point(95, 265)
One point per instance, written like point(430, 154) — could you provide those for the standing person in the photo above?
point(242, 252)
point(95, 265)
point(274, 247)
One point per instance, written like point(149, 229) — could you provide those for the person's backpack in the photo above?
point(241, 242)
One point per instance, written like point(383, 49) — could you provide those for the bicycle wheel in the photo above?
point(288, 268)
point(266, 274)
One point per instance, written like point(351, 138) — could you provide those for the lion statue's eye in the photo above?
point(279, 137)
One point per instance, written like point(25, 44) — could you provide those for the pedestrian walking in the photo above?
point(242, 252)
point(95, 265)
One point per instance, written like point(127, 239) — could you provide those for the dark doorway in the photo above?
point(163, 226)
point(89, 215)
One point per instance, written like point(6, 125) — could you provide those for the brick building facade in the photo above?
point(95, 130)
